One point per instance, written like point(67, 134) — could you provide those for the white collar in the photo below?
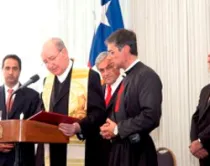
point(116, 83)
point(63, 76)
point(14, 87)
point(132, 64)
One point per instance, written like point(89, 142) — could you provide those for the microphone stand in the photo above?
point(18, 155)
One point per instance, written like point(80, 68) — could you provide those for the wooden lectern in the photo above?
point(30, 131)
point(18, 131)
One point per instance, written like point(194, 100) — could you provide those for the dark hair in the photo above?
point(12, 56)
point(124, 37)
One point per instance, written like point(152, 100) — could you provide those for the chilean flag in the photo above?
point(111, 20)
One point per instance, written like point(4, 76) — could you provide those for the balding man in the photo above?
point(74, 92)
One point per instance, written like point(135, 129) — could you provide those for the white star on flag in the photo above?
point(102, 16)
point(104, 25)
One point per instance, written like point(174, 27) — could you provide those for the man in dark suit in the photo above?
point(111, 82)
point(24, 101)
point(76, 93)
point(137, 107)
point(200, 127)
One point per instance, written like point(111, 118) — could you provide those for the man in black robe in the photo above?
point(56, 58)
point(137, 108)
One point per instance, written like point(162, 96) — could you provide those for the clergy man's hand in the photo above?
point(107, 130)
point(69, 129)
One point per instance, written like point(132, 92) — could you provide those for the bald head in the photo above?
point(55, 56)
point(57, 42)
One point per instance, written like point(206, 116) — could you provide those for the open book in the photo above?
point(52, 118)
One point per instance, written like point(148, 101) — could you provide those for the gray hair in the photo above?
point(101, 57)
point(58, 43)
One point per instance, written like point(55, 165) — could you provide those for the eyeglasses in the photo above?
point(52, 58)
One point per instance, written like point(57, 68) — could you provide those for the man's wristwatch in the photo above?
point(115, 130)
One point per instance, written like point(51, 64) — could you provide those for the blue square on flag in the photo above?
point(111, 20)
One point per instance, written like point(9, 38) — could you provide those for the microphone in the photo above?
point(33, 79)
point(30, 81)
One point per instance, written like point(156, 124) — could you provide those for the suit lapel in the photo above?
point(19, 99)
point(63, 92)
point(2, 102)
point(206, 103)
point(65, 89)
point(104, 90)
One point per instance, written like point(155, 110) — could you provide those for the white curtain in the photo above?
point(173, 38)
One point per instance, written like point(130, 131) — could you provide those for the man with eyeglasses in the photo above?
point(137, 108)
point(74, 92)
point(111, 78)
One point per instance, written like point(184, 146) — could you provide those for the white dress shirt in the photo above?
point(6, 89)
point(63, 76)
point(114, 85)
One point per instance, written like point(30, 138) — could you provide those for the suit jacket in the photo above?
point(139, 113)
point(200, 126)
point(26, 102)
point(142, 99)
point(89, 126)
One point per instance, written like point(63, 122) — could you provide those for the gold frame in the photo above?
point(75, 141)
